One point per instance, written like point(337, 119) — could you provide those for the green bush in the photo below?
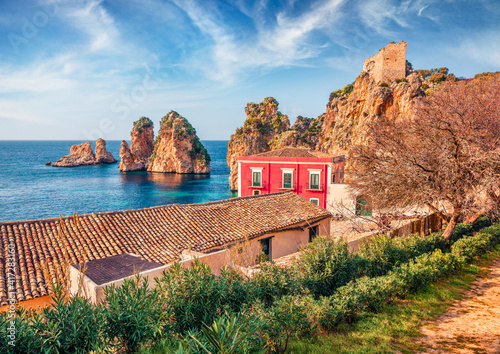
point(287, 318)
point(383, 253)
point(27, 337)
point(326, 265)
point(229, 334)
point(191, 295)
point(468, 248)
point(272, 283)
point(134, 315)
point(383, 84)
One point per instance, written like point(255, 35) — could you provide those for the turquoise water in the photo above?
point(31, 190)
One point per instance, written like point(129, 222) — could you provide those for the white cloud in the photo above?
point(283, 42)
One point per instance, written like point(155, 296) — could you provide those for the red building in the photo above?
point(307, 173)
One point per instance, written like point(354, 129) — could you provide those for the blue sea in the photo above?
point(31, 190)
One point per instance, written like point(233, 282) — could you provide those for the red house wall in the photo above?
point(272, 175)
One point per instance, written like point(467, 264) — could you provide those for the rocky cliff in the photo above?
point(350, 109)
point(263, 126)
point(136, 157)
point(303, 133)
point(101, 154)
point(177, 148)
point(82, 154)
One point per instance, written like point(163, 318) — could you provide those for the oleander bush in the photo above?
point(326, 265)
point(134, 315)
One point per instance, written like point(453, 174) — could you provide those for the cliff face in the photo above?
point(82, 154)
point(263, 125)
point(177, 148)
point(136, 158)
point(348, 114)
point(303, 133)
point(101, 154)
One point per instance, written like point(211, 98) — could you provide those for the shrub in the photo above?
point(134, 315)
point(468, 248)
point(326, 265)
point(437, 77)
point(398, 81)
point(289, 316)
point(191, 295)
point(383, 84)
point(227, 335)
point(272, 283)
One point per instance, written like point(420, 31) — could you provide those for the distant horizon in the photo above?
point(87, 69)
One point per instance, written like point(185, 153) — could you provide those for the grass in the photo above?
point(397, 327)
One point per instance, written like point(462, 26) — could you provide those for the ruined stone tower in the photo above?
point(388, 64)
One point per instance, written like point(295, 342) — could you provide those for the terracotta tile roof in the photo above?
point(288, 152)
point(104, 270)
point(294, 152)
point(157, 234)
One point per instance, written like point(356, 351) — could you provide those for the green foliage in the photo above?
point(398, 81)
point(467, 248)
point(287, 318)
point(345, 91)
point(383, 253)
point(437, 77)
point(326, 265)
point(272, 283)
point(133, 314)
point(383, 84)
point(142, 123)
point(424, 87)
point(229, 334)
point(72, 326)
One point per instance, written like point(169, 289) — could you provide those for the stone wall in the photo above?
point(388, 64)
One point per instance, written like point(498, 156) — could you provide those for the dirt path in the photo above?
point(472, 325)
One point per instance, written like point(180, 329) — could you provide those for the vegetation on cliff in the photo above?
point(142, 123)
point(182, 130)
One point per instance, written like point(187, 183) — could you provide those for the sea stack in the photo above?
point(177, 148)
point(101, 154)
point(263, 125)
point(82, 154)
point(136, 158)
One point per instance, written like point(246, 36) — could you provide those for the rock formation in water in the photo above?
point(136, 158)
point(82, 154)
point(101, 154)
point(177, 148)
point(263, 125)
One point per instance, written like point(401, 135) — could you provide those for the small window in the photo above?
point(313, 232)
point(362, 207)
point(256, 192)
point(314, 181)
point(315, 201)
point(256, 179)
point(265, 244)
point(333, 177)
point(287, 180)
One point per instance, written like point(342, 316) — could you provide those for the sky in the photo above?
point(79, 70)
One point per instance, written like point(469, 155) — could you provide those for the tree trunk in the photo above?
point(472, 218)
point(451, 224)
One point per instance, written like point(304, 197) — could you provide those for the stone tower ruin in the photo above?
point(388, 64)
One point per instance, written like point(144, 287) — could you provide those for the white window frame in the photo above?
point(315, 199)
point(315, 172)
point(256, 192)
point(258, 170)
point(283, 171)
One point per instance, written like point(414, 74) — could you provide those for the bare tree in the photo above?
point(446, 156)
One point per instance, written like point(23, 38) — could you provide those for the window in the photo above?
point(265, 254)
point(314, 180)
point(362, 207)
point(313, 232)
point(256, 179)
point(287, 180)
point(315, 201)
point(333, 177)
point(256, 192)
